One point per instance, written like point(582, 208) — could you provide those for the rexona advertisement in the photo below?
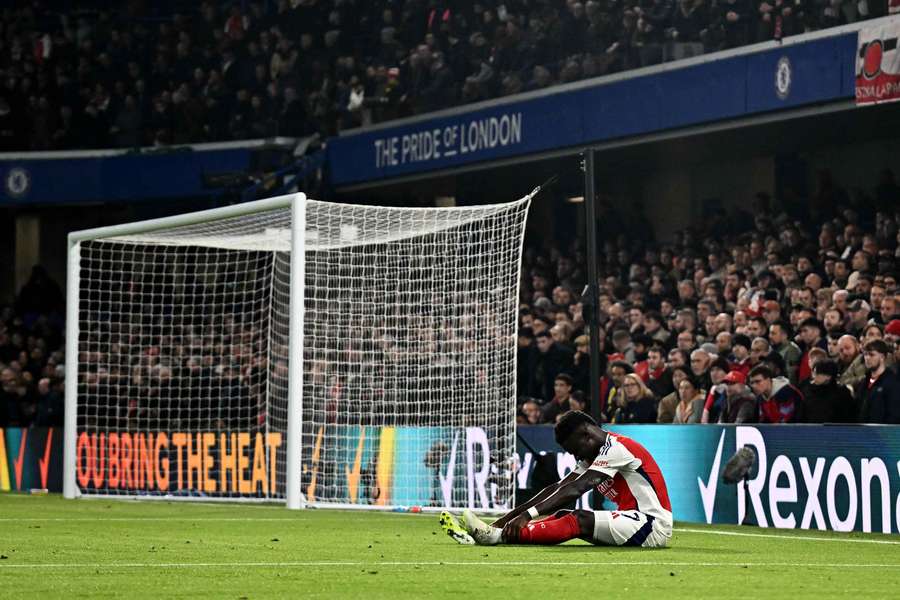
point(843, 478)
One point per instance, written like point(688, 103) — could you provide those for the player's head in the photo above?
point(579, 435)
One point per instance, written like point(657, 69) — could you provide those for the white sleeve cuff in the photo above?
point(533, 513)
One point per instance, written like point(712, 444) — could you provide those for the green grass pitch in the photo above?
point(50, 547)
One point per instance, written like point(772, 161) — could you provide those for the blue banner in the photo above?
point(736, 85)
point(842, 478)
point(116, 177)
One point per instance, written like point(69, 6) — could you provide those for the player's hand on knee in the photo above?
point(511, 530)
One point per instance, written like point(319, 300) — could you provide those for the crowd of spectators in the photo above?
point(32, 360)
point(240, 70)
point(772, 317)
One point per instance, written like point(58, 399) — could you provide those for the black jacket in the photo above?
point(880, 402)
point(639, 411)
point(828, 403)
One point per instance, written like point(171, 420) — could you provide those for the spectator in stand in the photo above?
point(615, 395)
point(833, 319)
point(777, 19)
point(690, 402)
point(740, 353)
point(530, 413)
point(689, 22)
point(780, 337)
point(639, 402)
point(665, 412)
point(723, 343)
point(623, 345)
point(833, 338)
point(778, 400)
point(654, 327)
point(578, 401)
point(717, 394)
point(879, 393)
point(11, 394)
point(50, 406)
point(873, 331)
point(771, 312)
point(740, 403)
point(759, 350)
point(700, 361)
point(659, 377)
point(562, 392)
point(552, 359)
point(825, 400)
point(892, 334)
point(730, 24)
point(811, 334)
point(859, 316)
point(431, 56)
point(852, 368)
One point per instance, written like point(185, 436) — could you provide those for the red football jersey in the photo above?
point(635, 483)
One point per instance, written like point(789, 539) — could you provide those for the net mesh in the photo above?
point(408, 351)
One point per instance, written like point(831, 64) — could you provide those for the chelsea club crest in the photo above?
point(783, 78)
point(18, 182)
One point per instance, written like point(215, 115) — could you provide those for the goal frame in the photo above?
point(297, 204)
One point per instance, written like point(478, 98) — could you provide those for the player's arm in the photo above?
point(567, 492)
point(539, 497)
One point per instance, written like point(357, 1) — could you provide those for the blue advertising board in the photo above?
point(842, 478)
point(78, 177)
point(743, 83)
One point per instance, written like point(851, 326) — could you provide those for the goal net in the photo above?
point(297, 350)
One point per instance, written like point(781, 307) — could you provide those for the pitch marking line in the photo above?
point(779, 565)
point(788, 537)
point(777, 536)
point(301, 520)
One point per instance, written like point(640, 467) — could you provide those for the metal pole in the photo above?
point(295, 497)
point(593, 309)
point(70, 431)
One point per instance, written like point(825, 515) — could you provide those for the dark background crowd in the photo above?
point(158, 73)
point(766, 317)
point(32, 356)
point(787, 314)
point(773, 317)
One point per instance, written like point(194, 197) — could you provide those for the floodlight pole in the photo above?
point(592, 318)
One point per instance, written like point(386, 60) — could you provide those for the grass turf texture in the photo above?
point(97, 548)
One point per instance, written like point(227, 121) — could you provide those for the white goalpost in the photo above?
point(297, 351)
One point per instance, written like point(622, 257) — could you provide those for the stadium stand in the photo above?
point(162, 73)
point(722, 300)
point(31, 355)
point(707, 308)
point(711, 307)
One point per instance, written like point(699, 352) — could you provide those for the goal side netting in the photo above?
point(180, 382)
